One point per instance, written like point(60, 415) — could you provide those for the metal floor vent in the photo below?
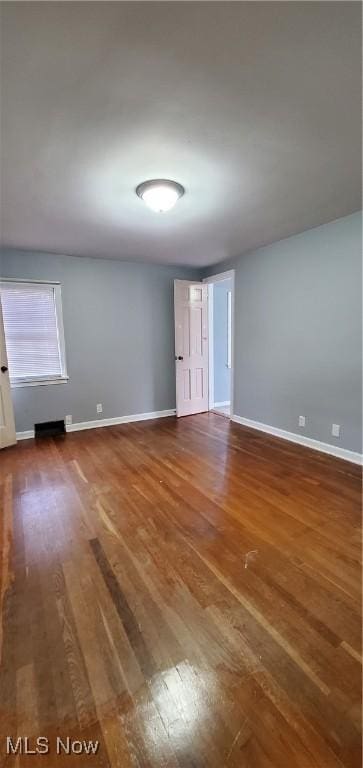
point(49, 429)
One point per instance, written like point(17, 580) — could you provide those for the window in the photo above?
point(33, 327)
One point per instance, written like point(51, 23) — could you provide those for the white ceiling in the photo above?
point(253, 107)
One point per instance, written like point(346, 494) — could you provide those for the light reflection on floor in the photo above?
point(181, 695)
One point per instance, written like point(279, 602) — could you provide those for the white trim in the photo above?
point(219, 405)
point(210, 348)
point(60, 328)
point(27, 280)
point(220, 277)
point(228, 275)
point(229, 330)
point(25, 435)
point(308, 442)
point(118, 420)
point(81, 425)
point(16, 383)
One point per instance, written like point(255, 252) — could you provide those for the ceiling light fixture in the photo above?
point(160, 194)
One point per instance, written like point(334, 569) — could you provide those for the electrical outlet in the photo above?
point(335, 430)
point(68, 420)
point(301, 421)
point(99, 407)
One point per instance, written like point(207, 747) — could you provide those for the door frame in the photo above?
point(211, 280)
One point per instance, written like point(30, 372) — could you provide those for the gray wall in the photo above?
point(222, 374)
point(297, 345)
point(119, 335)
point(298, 340)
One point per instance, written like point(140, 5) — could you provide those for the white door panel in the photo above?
point(7, 425)
point(191, 347)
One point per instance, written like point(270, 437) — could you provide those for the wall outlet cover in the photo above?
point(99, 407)
point(301, 421)
point(69, 419)
point(335, 430)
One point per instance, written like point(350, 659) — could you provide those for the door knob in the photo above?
point(3, 369)
point(179, 357)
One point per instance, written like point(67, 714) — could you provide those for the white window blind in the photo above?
point(33, 331)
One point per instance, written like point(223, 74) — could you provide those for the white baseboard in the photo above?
point(78, 426)
point(308, 442)
point(220, 405)
point(119, 420)
point(25, 435)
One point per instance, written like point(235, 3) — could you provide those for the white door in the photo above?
point(191, 347)
point(7, 426)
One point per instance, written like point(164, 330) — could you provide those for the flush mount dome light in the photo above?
point(160, 194)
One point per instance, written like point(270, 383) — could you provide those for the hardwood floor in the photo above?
point(185, 592)
point(223, 410)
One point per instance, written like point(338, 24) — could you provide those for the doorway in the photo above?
point(220, 342)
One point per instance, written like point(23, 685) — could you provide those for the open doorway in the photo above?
point(220, 342)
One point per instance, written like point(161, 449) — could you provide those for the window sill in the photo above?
point(38, 382)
